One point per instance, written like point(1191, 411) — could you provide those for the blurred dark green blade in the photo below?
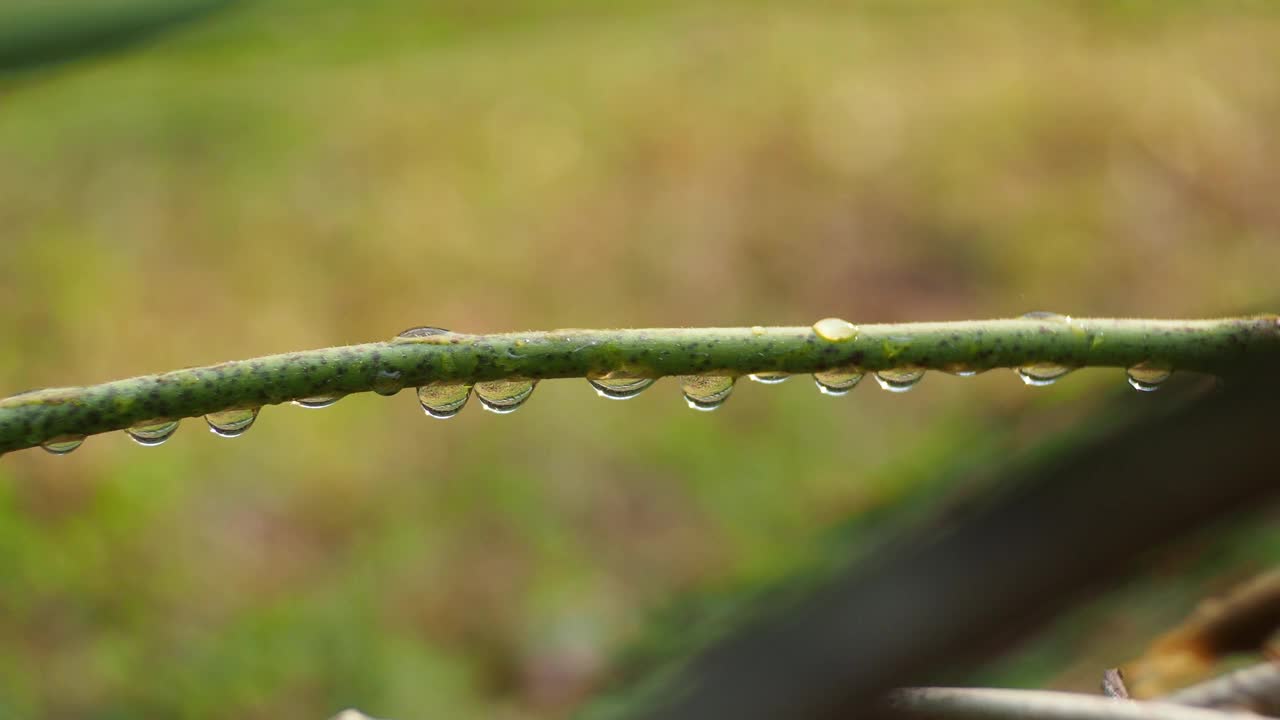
point(951, 591)
point(34, 35)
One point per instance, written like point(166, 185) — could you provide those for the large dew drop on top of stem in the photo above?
point(835, 330)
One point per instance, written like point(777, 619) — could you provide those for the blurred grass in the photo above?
point(36, 34)
point(295, 174)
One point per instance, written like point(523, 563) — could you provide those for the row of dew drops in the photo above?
point(701, 392)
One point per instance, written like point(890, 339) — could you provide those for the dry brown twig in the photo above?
point(1000, 704)
point(1113, 684)
point(1256, 688)
point(1240, 621)
point(1233, 696)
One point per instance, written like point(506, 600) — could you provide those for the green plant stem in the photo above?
point(29, 419)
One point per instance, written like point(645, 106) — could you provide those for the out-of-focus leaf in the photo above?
point(37, 34)
point(951, 591)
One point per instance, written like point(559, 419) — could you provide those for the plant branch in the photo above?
point(999, 704)
point(1239, 621)
point(33, 418)
point(1113, 684)
point(1256, 687)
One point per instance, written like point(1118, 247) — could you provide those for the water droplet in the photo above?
point(835, 329)
point(443, 401)
point(1147, 379)
point(620, 388)
point(424, 331)
point(1043, 315)
point(387, 382)
point(899, 380)
point(504, 396)
point(231, 423)
point(770, 378)
point(318, 401)
point(1042, 374)
point(706, 392)
point(153, 433)
point(63, 444)
point(836, 382)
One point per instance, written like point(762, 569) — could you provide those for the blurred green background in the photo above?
point(288, 174)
